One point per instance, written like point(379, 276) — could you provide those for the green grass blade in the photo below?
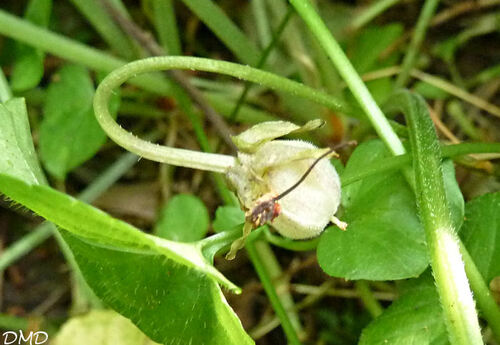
point(96, 14)
point(371, 12)
point(48, 41)
point(305, 9)
point(213, 16)
point(418, 37)
point(255, 250)
point(166, 26)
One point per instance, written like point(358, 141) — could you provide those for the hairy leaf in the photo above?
point(171, 303)
point(384, 239)
point(18, 156)
point(101, 229)
point(415, 318)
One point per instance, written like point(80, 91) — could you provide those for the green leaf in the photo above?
point(157, 283)
point(384, 239)
point(183, 219)
point(381, 89)
point(38, 12)
point(28, 69)
point(171, 303)
point(481, 233)
point(101, 229)
point(100, 327)
point(367, 55)
point(446, 49)
point(257, 135)
point(18, 156)
point(415, 318)
point(371, 43)
point(69, 132)
point(227, 217)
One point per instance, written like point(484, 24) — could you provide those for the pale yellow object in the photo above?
point(100, 327)
point(271, 167)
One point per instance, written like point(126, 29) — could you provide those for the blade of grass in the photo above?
point(371, 12)
point(456, 91)
point(166, 26)
point(109, 31)
point(485, 75)
point(260, 15)
point(410, 58)
point(262, 61)
point(21, 30)
point(295, 45)
point(213, 16)
point(439, 83)
point(26, 244)
point(371, 303)
point(455, 110)
point(349, 74)
point(63, 47)
point(459, 8)
point(267, 268)
point(330, 78)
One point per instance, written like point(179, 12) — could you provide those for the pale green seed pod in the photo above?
point(269, 168)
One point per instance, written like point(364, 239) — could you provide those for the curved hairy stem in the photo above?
point(188, 158)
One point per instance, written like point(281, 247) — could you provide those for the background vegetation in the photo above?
point(370, 285)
